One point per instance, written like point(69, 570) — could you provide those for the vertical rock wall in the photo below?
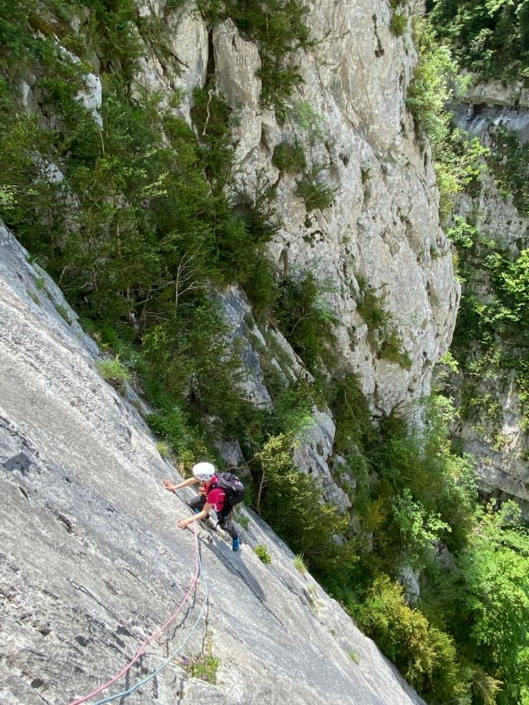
point(499, 443)
point(382, 229)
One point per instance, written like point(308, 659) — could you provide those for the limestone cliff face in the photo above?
point(91, 561)
point(382, 230)
point(380, 236)
point(498, 443)
point(100, 546)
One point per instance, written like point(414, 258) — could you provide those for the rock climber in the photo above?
point(210, 496)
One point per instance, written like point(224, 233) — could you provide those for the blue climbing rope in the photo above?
point(164, 665)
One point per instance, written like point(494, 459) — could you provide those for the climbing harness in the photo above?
point(198, 573)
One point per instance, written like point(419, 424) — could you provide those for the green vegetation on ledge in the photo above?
point(279, 29)
point(142, 227)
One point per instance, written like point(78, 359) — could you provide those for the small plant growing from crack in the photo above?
point(263, 553)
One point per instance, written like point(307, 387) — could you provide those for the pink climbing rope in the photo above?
point(154, 635)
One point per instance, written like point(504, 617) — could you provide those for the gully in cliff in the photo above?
point(219, 491)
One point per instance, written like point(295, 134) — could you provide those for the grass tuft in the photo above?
point(263, 553)
point(114, 373)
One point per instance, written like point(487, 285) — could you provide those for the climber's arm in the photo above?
point(186, 483)
point(201, 515)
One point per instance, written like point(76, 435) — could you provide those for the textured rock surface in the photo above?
point(499, 445)
point(383, 226)
point(236, 309)
point(315, 447)
point(89, 549)
point(496, 94)
point(186, 41)
point(314, 454)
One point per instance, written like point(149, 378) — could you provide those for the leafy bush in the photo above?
point(496, 599)
point(278, 83)
point(398, 24)
point(113, 372)
point(172, 425)
point(290, 500)
point(289, 157)
point(430, 91)
point(354, 426)
point(306, 319)
point(425, 655)
point(460, 165)
point(482, 601)
point(305, 120)
point(201, 666)
point(371, 308)
point(458, 159)
point(489, 38)
point(211, 116)
point(382, 336)
point(299, 564)
point(396, 462)
point(495, 323)
point(63, 313)
point(242, 519)
point(419, 529)
point(391, 350)
point(508, 162)
point(163, 448)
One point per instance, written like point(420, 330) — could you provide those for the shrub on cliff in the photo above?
point(425, 655)
point(291, 501)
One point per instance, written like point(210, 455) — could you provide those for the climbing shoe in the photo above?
point(236, 544)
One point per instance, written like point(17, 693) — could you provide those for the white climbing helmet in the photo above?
point(203, 471)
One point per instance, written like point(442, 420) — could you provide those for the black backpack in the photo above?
point(231, 484)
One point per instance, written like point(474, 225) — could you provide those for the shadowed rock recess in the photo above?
point(91, 561)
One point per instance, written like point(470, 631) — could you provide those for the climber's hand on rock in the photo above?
point(169, 485)
point(182, 523)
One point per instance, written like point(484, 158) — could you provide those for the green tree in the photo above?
point(489, 37)
point(495, 607)
point(425, 655)
point(291, 501)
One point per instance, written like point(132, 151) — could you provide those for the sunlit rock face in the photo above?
point(91, 561)
point(381, 231)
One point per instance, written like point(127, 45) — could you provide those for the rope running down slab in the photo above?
point(152, 637)
point(171, 657)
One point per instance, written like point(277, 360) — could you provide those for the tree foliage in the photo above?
point(291, 501)
point(426, 656)
point(495, 604)
point(489, 37)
